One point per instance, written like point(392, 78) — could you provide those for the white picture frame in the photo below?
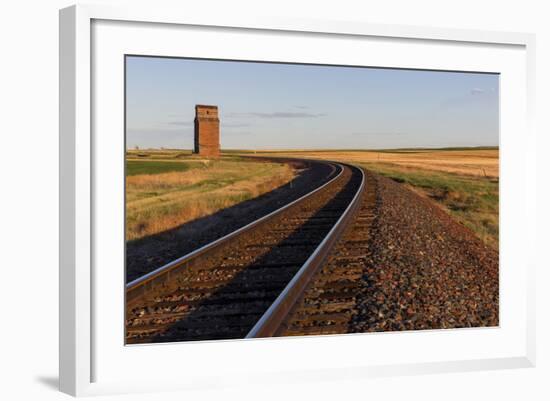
point(82, 344)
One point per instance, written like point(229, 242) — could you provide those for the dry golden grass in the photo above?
point(471, 200)
point(465, 182)
point(474, 162)
point(160, 202)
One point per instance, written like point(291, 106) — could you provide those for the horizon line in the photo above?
point(327, 149)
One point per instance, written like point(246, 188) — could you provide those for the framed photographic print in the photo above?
point(272, 197)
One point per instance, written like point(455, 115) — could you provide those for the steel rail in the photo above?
point(271, 321)
point(161, 275)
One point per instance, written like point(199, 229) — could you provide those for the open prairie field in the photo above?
point(463, 181)
point(165, 189)
point(479, 162)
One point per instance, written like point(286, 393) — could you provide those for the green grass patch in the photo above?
point(137, 167)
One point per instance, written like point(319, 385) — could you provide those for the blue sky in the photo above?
point(282, 106)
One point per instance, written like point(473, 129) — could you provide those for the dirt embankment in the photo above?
point(424, 270)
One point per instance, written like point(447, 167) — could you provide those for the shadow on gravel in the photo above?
point(231, 311)
point(149, 253)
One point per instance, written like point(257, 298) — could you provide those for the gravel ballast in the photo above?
point(424, 270)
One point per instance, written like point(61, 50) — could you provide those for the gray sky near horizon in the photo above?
point(283, 106)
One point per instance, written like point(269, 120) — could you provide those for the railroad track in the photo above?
point(248, 282)
point(330, 302)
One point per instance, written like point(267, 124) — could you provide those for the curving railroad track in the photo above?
point(330, 302)
point(259, 280)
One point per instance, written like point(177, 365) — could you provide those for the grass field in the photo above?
point(166, 190)
point(479, 162)
point(137, 167)
point(473, 201)
point(463, 181)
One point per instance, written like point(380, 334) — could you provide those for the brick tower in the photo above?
point(207, 131)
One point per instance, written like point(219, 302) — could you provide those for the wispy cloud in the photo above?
point(224, 124)
point(474, 96)
point(278, 114)
point(476, 91)
point(239, 132)
point(234, 125)
point(181, 123)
